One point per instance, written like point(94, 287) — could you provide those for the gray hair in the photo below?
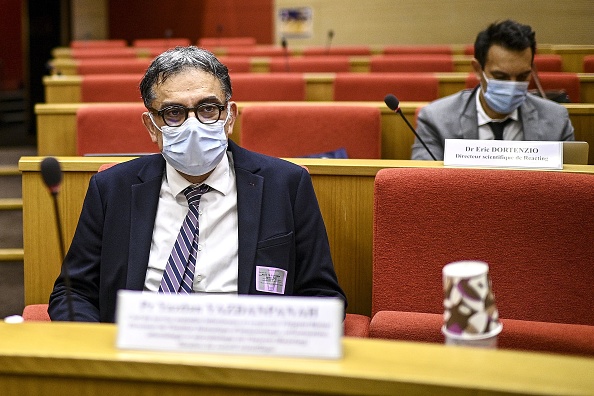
point(178, 59)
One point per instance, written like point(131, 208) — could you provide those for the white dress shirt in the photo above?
point(216, 261)
point(512, 131)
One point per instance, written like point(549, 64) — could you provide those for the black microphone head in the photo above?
point(284, 43)
point(51, 171)
point(330, 33)
point(392, 102)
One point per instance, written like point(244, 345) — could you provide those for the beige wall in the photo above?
point(442, 21)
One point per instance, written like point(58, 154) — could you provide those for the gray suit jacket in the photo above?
point(455, 117)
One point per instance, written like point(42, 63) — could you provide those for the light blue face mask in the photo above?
point(505, 96)
point(194, 148)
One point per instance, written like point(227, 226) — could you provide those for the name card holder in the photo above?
point(229, 324)
point(503, 154)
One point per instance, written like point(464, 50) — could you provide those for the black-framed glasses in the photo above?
point(175, 115)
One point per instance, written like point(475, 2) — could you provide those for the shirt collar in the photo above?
point(220, 179)
point(483, 118)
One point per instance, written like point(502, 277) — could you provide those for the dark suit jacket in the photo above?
point(455, 117)
point(280, 225)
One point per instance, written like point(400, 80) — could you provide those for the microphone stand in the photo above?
point(399, 111)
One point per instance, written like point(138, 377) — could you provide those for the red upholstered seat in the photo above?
point(349, 50)
point(237, 64)
point(257, 50)
point(211, 42)
point(268, 87)
point(301, 130)
point(570, 82)
point(548, 63)
point(112, 128)
point(163, 44)
point(532, 228)
point(311, 64)
point(411, 63)
point(114, 43)
point(417, 49)
point(589, 64)
point(110, 88)
point(36, 313)
point(375, 86)
point(104, 52)
point(112, 66)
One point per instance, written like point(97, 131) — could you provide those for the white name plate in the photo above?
point(503, 153)
point(230, 324)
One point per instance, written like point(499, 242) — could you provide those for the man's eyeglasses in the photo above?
point(207, 113)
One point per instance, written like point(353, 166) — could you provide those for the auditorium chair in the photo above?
point(161, 44)
point(348, 50)
point(550, 81)
point(548, 63)
point(311, 130)
point(111, 66)
point(533, 229)
point(214, 42)
point(112, 128)
point(417, 49)
point(237, 64)
point(112, 43)
point(254, 87)
point(589, 64)
point(110, 88)
point(311, 64)
point(423, 87)
point(411, 63)
point(257, 50)
point(106, 52)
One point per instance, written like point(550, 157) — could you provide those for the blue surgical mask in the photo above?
point(194, 148)
point(505, 96)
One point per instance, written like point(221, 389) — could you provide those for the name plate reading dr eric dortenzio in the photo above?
point(229, 324)
point(503, 153)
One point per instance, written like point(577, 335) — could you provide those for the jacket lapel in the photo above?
point(143, 210)
point(529, 118)
point(249, 205)
point(469, 117)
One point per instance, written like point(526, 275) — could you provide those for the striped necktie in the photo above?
point(178, 276)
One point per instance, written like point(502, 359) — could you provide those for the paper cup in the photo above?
point(470, 314)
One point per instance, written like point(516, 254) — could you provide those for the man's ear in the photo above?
point(152, 129)
point(232, 118)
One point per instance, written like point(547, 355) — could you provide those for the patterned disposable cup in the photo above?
point(470, 314)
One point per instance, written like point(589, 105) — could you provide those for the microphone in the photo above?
point(329, 41)
point(51, 172)
point(394, 104)
point(285, 46)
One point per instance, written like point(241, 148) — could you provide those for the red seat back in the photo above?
point(212, 42)
point(589, 64)
point(548, 63)
point(533, 228)
point(162, 44)
point(375, 86)
point(301, 130)
point(411, 63)
point(237, 64)
point(311, 64)
point(104, 52)
point(417, 49)
point(110, 88)
point(112, 66)
point(255, 87)
point(112, 128)
point(348, 50)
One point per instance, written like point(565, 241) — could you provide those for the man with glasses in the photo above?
point(203, 216)
point(500, 107)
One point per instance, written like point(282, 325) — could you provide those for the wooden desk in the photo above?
point(57, 358)
point(56, 126)
point(344, 189)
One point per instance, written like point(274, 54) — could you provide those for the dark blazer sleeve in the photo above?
point(82, 263)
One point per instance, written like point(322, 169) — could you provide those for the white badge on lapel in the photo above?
point(270, 279)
